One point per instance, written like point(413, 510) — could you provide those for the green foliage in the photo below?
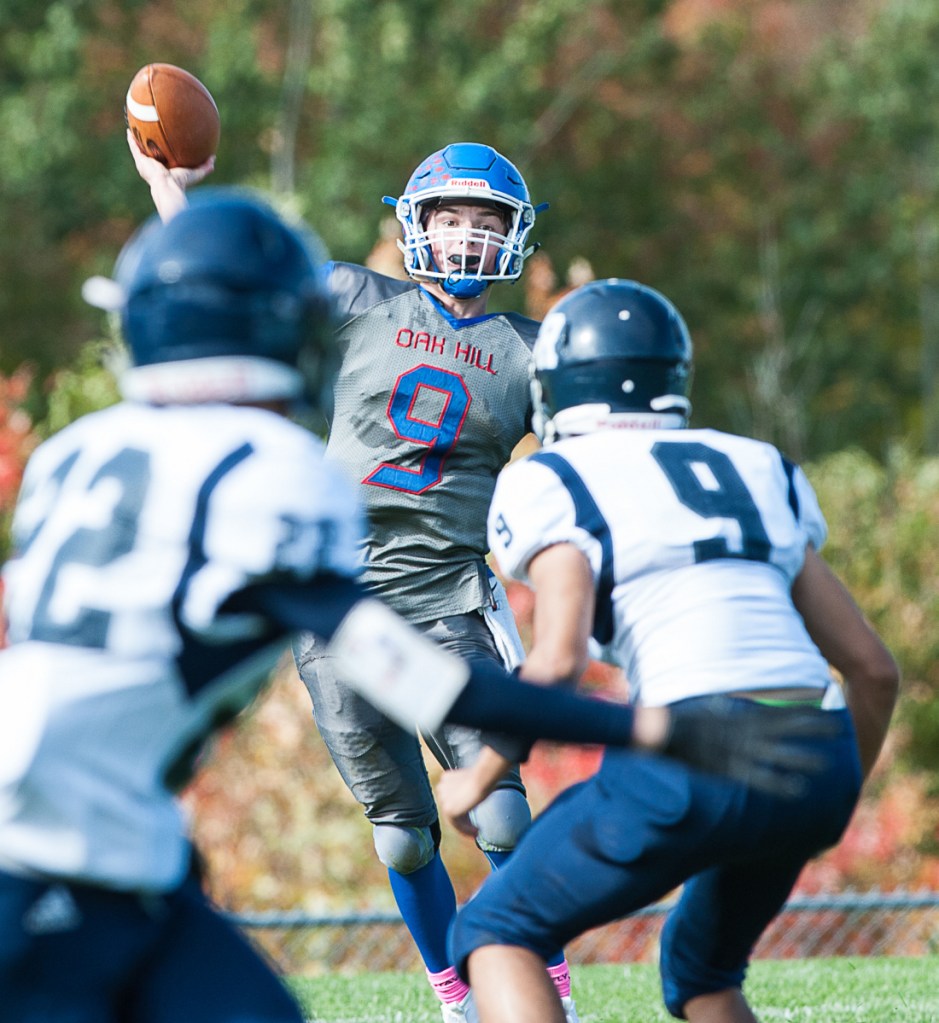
point(769, 166)
point(84, 387)
point(884, 521)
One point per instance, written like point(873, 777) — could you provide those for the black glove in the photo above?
point(756, 744)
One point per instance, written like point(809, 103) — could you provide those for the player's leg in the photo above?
point(720, 1007)
point(202, 969)
point(426, 900)
point(504, 816)
point(708, 938)
point(510, 983)
point(501, 941)
point(383, 767)
point(758, 852)
point(602, 850)
point(66, 951)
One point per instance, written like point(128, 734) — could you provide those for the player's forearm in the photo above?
point(851, 645)
point(493, 702)
point(488, 770)
point(871, 704)
point(554, 664)
point(168, 198)
point(563, 615)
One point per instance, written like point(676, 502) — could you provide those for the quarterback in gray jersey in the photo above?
point(428, 408)
point(431, 399)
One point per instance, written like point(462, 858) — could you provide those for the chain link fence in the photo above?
point(847, 924)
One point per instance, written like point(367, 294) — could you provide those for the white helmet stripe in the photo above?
point(215, 378)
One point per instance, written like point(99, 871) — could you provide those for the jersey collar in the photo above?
point(454, 321)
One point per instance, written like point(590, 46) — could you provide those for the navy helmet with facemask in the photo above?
point(224, 302)
point(612, 353)
point(471, 173)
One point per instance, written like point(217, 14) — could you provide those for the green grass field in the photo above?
point(802, 991)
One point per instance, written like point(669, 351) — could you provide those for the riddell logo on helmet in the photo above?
point(455, 183)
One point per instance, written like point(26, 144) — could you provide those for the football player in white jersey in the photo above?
point(164, 551)
point(152, 542)
point(693, 556)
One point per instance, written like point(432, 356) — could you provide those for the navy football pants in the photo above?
point(77, 954)
point(638, 830)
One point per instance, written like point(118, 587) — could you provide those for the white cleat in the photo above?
point(570, 1010)
point(463, 1011)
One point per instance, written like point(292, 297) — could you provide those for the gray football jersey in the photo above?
point(427, 411)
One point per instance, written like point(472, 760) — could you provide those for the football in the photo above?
point(172, 115)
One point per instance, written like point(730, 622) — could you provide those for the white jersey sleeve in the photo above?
point(279, 517)
point(808, 511)
point(530, 511)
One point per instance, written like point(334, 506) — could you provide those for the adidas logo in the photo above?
point(52, 912)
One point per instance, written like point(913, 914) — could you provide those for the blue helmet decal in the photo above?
point(474, 174)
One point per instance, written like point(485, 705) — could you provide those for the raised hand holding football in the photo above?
point(172, 116)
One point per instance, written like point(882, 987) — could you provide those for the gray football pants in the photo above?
point(381, 763)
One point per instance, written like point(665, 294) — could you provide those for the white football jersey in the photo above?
point(694, 538)
point(134, 527)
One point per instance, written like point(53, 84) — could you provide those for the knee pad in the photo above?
point(502, 817)
point(404, 849)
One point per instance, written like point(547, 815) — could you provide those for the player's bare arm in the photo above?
point(460, 791)
point(849, 643)
point(563, 616)
point(167, 185)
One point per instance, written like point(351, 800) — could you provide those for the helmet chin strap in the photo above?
point(464, 287)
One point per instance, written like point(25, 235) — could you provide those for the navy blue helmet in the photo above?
point(465, 172)
point(611, 352)
point(226, 301)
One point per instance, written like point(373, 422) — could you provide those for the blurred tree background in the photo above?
point(771, 165)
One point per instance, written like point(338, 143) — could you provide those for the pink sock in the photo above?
point(448, 986)
point(561, 978)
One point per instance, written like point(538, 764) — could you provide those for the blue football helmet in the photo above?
point(225, 302)
point(466, 172)
point(610, 353)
